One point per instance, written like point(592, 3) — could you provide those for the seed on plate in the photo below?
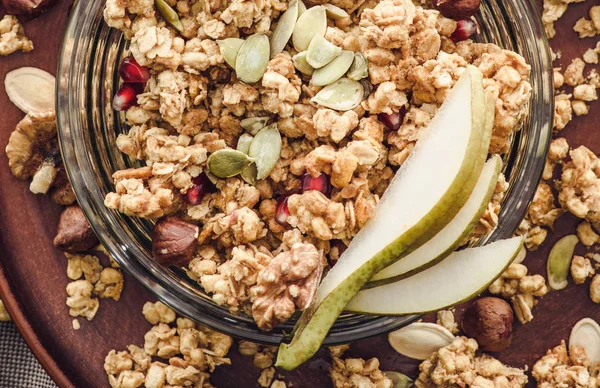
point(320, 183)
point(284, 29)
point(321, 52)
point(169, 14)
point(227, 162)
point(301, 64)
point(265, 150)
point(420, 340)
point(200, 187)
point(312, 23)
point(586, 333)
point(30, 89)
point(252, 58)
point(334, 70)
point(464, 29)
point(334, 12)
point(282, 211)
point(254, 124)
point(399, 380)
point(359, 68)
point(344, 94)
point(559, 261)
point(126, 96)
point(131, 71)
point(229, 49)
point(392, 121)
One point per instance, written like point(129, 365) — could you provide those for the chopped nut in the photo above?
point(74, 233)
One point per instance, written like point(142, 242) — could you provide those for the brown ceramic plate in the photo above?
point(33, 273)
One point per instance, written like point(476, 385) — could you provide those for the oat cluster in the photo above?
point(193, 107)
point(562, 368)
point(12, 36)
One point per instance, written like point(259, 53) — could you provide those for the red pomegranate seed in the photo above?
point(464, 29)
point(201, 186)
point(126, 96)
point(320, 183)
point(393, 121)
point(131, 71)
point(283, 211)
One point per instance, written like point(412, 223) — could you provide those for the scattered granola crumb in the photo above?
point(456, 365)
point(338, 351)
point(579, 107)
point(4, 317)
point(590, 56)
point(595, 289)
point(445, 318)
point(559, 369)
point(356, 372)
point(585, 28)
point(581, 269)
point(586, 234)
point(12, 36)
point(76, 324)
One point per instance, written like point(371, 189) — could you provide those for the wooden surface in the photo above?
point(33, 273)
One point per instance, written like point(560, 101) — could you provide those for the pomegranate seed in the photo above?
point(392, 121)
point(464, 29)
point(131, 71)
point(283, 211)
point(320, 183)
point(126, 96)
point(201, 186)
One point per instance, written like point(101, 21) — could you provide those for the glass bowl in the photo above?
point(88, 127)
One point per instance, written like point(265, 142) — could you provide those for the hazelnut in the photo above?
point(74, 233)
point(457, 9)
point(489, 321)
point(174, 241)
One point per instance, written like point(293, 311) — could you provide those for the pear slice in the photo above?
point(461, 276)
point(428, 190)
point(449, 238)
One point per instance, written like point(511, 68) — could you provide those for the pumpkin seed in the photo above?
point(312, 23)
point(254, 124)
point(301, 8)
point(321, 52)
point(169, 14)
point(359, 68)
point(367, 87)
point(227, 162)
point(211, 177)
point(301, 65)
point(399, 380)
point(420, 340)
point(334, 12)
point(243, 144)
point(284, 29)
point(229, 49)
point(265, 149)
point(559, 261)
point(334, 70)
point(252, 58)
point(343, 94)
point(586, 333)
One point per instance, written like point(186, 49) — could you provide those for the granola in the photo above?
point(559, 368)
point(356, 372)
point(12, 36)
point(194, 105)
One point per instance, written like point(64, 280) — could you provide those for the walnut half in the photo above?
point(288, 283)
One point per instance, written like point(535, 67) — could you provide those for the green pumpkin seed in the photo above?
point(312, 23)
point(367, 87)
point(359, 68)
point(265, 149)
point(254, 124)
point(252, 58)
point(343, 94)
point(211, 177)
point(321, 52)
point(334, 12)
point(227, 162)
point(301, 8)
point(249, 174)
point(229, 49)
point(243, 144)
point(301, 65)
point(284, 29)
point(169, 14)
point(399, 380)
point(559, 261)
point(334, 70)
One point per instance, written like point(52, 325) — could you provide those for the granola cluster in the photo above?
point(457, 365)
point(176, 352)
point(356, 372)
point(559, 368)
point(194, 105)
point(262, 358)
point(12, 36)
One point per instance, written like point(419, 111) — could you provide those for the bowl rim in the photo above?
point(75, 160)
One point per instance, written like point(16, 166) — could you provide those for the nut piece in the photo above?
point(457, 9)
point(74, 233)
point(489, 321)
point(174, 241)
